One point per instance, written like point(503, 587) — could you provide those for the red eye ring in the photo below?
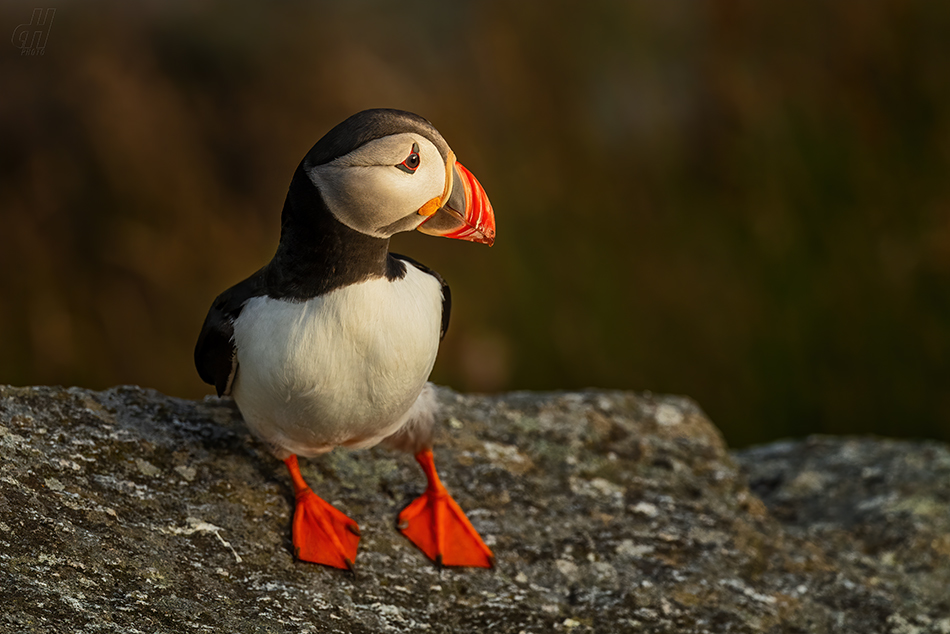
point(411, 164)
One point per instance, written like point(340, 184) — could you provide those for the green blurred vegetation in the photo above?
point(745, 202)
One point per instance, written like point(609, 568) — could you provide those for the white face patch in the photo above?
point(367, 192)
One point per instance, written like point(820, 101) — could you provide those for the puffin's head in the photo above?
point(384, 171)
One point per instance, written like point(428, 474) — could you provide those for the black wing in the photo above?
point(446, 291)
point(215, 356)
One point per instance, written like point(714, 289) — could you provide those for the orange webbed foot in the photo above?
point(322, 534)
point(436, 524)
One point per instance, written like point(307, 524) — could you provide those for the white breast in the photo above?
point(340, 369)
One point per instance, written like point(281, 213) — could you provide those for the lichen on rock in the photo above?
point(127, 510)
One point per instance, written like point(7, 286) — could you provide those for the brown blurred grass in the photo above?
point(743, 202)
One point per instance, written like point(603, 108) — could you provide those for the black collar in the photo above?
point(318, 253)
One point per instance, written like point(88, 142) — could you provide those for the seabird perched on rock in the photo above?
point(332, 342)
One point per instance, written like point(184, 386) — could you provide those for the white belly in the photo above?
point(340, 369)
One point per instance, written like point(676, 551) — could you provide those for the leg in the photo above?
point(436, 524)
point(322, 534)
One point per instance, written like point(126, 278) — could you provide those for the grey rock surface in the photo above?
point(129, 511)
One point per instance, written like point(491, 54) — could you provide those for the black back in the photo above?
point(215, 356)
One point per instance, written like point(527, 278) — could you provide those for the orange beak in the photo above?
point(465, 213)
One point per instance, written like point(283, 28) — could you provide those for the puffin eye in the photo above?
point(412, 161)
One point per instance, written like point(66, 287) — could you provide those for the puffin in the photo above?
point(332, 342)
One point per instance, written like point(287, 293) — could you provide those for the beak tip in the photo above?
point(471, 219)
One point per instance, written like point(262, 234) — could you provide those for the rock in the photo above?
point(878, 513)
point(129, 511)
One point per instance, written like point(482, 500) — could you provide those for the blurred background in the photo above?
point(744, 202)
